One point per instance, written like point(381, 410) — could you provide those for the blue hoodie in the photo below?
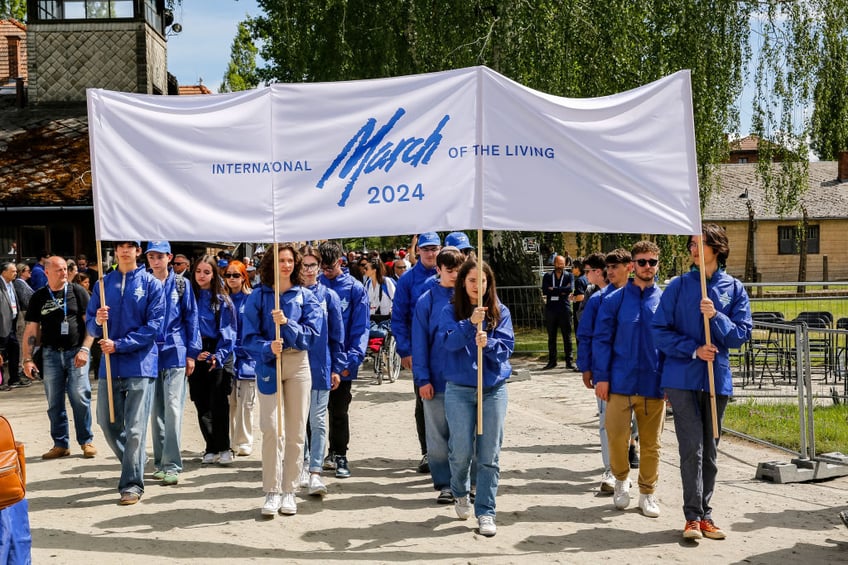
point(679, 330)
point(356, 318)
point(179, 336)
point(623, 350)
point(587, 327)
point(326, 356)
point(135, 316)
point(226, 330)
point(460, 348)
point(300, 331)
point(244, 366)
point(428, 362)
point(409, 289)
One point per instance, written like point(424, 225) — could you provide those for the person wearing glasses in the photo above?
point(326, 362)
point(625, 372)
point(179, 344)
point(299, 319)
point(354, 304)
point(181, 264)
point(243, 396)
point(410, 287)
point(679, 334)
point(399, 267)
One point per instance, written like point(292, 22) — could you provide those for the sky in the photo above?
point(202, 49)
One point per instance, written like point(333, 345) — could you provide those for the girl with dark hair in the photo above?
point(243, 395)
point(678, 327)
point(459, 334)
point(381, 293)
point(209, 384)
point(300, 321)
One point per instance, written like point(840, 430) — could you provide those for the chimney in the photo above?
point(842, 175)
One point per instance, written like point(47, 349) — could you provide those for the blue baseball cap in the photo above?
point(429, 238)
point(223, 263)
point(158, 247)
point(459, 240)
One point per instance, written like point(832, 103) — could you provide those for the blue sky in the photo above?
point(202, 49)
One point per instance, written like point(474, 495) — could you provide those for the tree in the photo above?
point(13, 9)
point(241, 72)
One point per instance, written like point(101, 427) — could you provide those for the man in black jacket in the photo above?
point(557, 287)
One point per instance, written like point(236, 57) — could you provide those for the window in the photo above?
point(789, 239)
point(14, 52)
point(85, 9)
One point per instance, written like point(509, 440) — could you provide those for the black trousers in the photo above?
point(11, 355)
point(559, 321)
point(209, 391)
point(419, 421)
point(337, 410)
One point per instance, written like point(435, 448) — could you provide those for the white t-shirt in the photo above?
point(381, 305)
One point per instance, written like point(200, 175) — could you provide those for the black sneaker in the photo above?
point(633, 456)
point(549, 366)
point(445, 496)
point(330, 462)
point(20, 384)
point(342, 470)
point(424, 464)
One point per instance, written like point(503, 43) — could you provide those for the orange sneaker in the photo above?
point(710, 530)
point(692, 530)
point(56, 452)
point(89, 451)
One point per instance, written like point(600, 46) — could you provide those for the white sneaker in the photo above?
point(486, 526)
point(288, 506)
point(209, 458)
point(303, 480)
point(225, 458)
point(607, 482)
point(649, 506)
point(621, 494)
point(316, 487)
point(244, 450)
point(462, 506)
point(272, 504)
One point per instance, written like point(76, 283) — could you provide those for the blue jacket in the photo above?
point(679, 330)
point(179, 336)
point(304, 324)
point(587, 327)
point(428, 362)
point(226, 330)
point(356, 318)
point(37, 277)
point(244, 365)
point(409, 289)
point(461, 349)
point(134, 321)
point(326, 356)
point(623, 350)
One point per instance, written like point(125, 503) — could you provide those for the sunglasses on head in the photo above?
point(651, 262)
point(232, 275)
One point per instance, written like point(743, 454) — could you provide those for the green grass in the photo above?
point(778, 424)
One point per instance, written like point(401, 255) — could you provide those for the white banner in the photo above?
point(461, 149)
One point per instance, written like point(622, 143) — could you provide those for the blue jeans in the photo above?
point(461, 413)
point(317, 439)
point(60, 377)
point(602, 430)
point(133, 398)
point(436, 427)
point(166, 419)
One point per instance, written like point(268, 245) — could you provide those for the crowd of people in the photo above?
point(289, 333)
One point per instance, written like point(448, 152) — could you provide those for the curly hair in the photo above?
point(269, 263)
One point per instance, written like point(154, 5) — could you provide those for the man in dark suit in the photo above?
point(557, 287)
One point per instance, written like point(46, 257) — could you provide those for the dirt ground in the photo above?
point(549, 507)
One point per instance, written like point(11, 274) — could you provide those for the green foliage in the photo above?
point(13, 9)
point(241, 72)
point(830, 116)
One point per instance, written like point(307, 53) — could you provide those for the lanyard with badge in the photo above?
point(65, 327)
point(555, 298)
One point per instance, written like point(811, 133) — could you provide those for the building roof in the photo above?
point(747, 143)
point(44, 157)
point(14, 22)
point(194, 89)
point(826, 197)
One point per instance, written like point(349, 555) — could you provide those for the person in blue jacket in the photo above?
point(209, 384)
point(428, 366)
point(243, 396)
point(134, 309)
point(355, 317)
point(460, 338)
point(410, 287)
point(179, 345)
point(626, 374)
point(299, 319)
point(326, 362)
point(679, 334)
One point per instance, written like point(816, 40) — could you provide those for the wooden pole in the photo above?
point(277, 331)
point(710, 372)
point(479, 328)
point(105, 335)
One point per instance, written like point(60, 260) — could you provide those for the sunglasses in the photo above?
point(651, 262)
point(232, 275)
